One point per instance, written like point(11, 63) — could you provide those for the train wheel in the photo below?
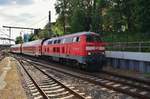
point(83, 67)
point(92, 68)
point(76, 64)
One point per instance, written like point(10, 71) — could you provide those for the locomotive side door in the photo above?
point(68, 42)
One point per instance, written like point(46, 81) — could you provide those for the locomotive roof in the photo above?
point(76, 34)
point(70, 35)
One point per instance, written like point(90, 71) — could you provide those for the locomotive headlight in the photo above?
point(89, 53)
point(101, 48)
point(103, 52)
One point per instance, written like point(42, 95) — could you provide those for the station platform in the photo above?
point(10, 80)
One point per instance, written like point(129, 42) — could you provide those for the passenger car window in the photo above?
point(50, 42)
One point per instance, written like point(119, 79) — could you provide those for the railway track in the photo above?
point(48, 86)
point(2, 57)
point(126, 77)
point(127, 87)
point(141, 84)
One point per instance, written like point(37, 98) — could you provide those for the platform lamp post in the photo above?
point(21, 37)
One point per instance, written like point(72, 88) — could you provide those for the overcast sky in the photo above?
point(25, 13)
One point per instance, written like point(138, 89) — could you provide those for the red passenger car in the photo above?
point(16, 48)
point(32, 48)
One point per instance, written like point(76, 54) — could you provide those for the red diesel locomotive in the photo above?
point(85, 49)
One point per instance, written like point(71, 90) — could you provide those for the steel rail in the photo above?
point(70, 90)
point(127, 77)
point(34, 82)
point(49, 76)
point(96, 82)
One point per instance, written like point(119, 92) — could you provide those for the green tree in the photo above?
point(57, 28)
point(112, 16)
point(144, 15)
point(98, 11)
point(78, 21)
point(19, 40)
point(33, 37)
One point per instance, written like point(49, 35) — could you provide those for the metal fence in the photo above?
point(129, 46)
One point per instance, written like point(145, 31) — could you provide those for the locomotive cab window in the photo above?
point(93, 38)
point(76, 39)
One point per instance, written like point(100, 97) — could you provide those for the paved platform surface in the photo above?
point(10, 80)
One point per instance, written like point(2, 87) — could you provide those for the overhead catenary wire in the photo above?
point(39, 21)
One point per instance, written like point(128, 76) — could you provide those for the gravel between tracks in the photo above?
point(96, 92)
